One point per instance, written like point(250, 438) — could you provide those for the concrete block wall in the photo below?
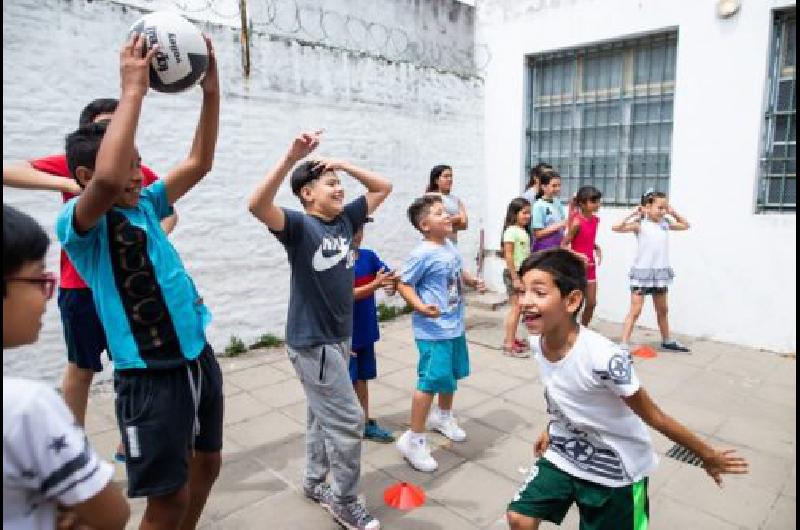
point(397, 118)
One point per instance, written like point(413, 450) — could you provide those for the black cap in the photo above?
point(305, 173)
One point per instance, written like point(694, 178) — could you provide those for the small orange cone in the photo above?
point(645, 352)
point(404, 496)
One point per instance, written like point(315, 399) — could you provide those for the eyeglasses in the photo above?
point(47, 281)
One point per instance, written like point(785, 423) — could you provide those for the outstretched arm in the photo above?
point(116, 153)
point(261, 203)
point(25, 176)
point(378, 187)
point(716, 462)
point(201, 156)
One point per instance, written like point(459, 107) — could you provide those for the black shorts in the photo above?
point(83, 331)
point(644, 291)
point(156, 417)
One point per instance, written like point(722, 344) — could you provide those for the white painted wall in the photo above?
point(394, 117)
point(736, 270)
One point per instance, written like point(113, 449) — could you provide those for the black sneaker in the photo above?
point(674, 345)
point(320, 493)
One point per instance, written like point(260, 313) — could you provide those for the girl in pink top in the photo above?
point(580, 237)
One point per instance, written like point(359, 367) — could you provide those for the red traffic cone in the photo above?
point(645, 352)
point(404, 496)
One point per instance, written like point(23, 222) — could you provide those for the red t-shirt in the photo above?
point(57, 165)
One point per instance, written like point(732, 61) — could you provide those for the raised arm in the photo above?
point(25, 176)
point(201, 156)
point(630, 223)
point(716, 462)
point(680, 222)
point(114, 158)
point(261, 203)
point(378, 187)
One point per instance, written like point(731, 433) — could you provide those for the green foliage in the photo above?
point(388, 312)
point(235, 347)
point(267, 340)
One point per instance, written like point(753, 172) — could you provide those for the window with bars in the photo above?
point(777, 189)
point(602, 115)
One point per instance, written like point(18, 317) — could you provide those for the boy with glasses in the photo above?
point(47, 461)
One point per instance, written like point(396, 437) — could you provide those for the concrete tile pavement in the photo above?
point(738, 397)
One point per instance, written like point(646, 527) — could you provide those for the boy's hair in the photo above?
point(567, 270)
point(97, 107)
point(544, 180)
point(436, 172)
point(420, 209)
point(24, 240)
point(304, 173)
point(586, 194)
point(83, 144)
point(514, 207)
point(651, 195)
point(536, 173)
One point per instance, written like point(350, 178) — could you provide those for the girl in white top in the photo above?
point(441, 182)
point(597, 444)
point(651, 272)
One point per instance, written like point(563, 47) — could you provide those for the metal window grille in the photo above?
point(602, 115)
point(777, 189)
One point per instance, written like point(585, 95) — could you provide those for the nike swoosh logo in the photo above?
point(321, 263)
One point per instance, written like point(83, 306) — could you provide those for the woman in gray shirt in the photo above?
point(441, 182)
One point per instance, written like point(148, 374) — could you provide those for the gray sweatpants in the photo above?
point(335, 422)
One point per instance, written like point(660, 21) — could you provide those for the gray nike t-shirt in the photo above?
point(321, 288)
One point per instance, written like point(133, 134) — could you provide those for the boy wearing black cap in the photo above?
point(319, 323)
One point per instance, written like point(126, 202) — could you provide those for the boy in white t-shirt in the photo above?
point(48, 464)
point(596, 449)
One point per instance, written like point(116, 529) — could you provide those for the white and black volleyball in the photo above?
point(182, 58)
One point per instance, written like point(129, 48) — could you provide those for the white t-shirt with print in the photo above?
point(594, 435)
point(47, 459)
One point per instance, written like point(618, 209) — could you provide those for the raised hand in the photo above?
point(303, 145)
point(134, 65)
point(210, 83)
point(724, 462)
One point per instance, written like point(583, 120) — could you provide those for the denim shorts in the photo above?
point(441, 364)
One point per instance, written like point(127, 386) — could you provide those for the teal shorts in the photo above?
point(441, 364)
point(549, 492)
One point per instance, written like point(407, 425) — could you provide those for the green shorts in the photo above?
point(548, 493)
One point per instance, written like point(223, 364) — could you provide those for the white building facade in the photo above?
point(681, 96)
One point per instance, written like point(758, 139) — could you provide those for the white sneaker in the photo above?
point(447, 427)
point(417, 454)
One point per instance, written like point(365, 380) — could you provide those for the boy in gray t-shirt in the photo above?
point(319, 323)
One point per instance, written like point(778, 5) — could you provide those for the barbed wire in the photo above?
point(312, 22)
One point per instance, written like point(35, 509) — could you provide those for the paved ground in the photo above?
point(737, 397)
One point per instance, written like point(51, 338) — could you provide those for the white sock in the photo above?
point(445, 414)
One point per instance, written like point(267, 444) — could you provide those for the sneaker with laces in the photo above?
point(320, 493)
point(376, 433)
point(417, 454)
point(448, 427)
point(674, 345)
point(353, 516)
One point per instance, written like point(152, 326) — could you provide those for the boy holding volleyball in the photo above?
point(168, 384)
